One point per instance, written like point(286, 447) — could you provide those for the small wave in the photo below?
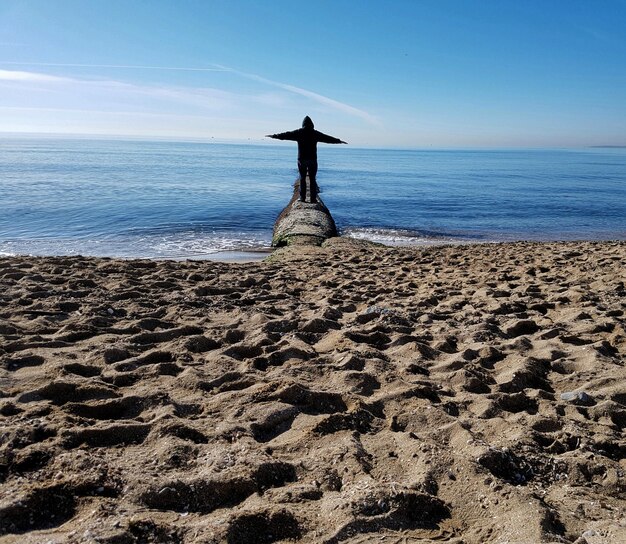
point(165, 246)
point(204, 245)
point(403, 237)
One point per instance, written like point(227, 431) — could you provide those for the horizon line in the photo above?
point(262, 141)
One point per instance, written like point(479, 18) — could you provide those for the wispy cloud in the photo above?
point(15, 75)
point(122, 66)
point(315, 97)
point(106, 89)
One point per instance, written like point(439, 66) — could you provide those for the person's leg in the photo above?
point(312, 176)
point(302, 171)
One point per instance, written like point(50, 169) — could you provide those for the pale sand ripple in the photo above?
point(336, 394)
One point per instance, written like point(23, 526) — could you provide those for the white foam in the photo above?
point(397, 237)
point(192, 245)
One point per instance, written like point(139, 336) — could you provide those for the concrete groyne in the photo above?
point(303, 223)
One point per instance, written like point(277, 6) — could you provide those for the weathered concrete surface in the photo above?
point(303, 223)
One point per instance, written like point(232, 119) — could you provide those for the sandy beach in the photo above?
point(349, 393)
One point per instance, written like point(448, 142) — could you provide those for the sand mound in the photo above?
point(338, 394)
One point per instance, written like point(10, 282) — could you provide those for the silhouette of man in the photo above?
point(307, 138)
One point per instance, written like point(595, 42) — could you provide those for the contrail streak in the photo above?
point(346, 108)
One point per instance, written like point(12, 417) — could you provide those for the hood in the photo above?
point(307, 123)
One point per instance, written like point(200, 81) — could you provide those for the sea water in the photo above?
point(158, 199)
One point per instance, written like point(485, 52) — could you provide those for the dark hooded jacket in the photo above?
point(307, 138)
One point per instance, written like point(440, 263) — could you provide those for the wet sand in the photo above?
point(465, 394)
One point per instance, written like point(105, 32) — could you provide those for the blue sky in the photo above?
point(440, 73)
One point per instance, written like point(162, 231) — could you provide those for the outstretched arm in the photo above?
point(291, 135)
point(325, 138)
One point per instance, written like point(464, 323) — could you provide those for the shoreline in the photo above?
point(262, 253)
point(226, 256)
point(325, 394)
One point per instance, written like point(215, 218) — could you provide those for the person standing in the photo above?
point(307, 138)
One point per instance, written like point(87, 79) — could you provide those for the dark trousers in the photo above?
point(311, 167)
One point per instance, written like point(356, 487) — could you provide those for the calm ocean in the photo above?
point(194, 200)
